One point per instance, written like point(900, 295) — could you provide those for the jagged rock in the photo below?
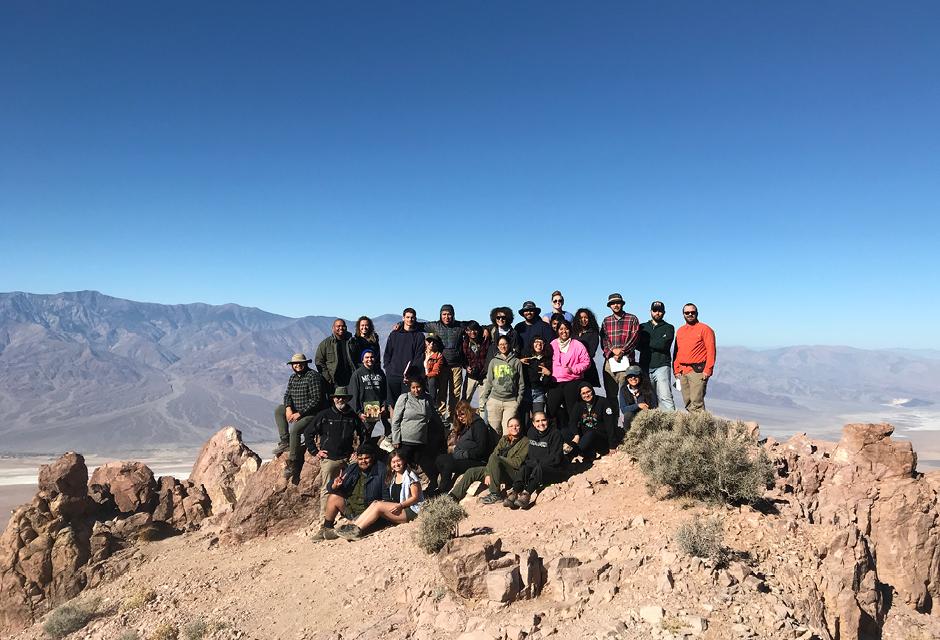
point(271, 504)
point(870, 448)
point(127, 486)
point(63, 484)
point(535, 573)
point(848, 586)
point(504, 584)
point(223, 468)
point(181, 505)
point(464, 563)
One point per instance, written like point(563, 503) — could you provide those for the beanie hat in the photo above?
point(447, 307)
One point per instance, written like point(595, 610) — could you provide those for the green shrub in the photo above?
point(703, 538)
point(70, 617)
point(437, 523)
point(645, 423)
point(195, 630)
point(166, 631)
point(704, 457)
point(138, 598)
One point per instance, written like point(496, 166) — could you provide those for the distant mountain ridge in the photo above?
point(90, 371)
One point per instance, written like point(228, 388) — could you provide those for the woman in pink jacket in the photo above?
point(569, 362)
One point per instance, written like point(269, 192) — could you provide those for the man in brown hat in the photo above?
point(331, 438)
point(619, 334)
point(302, 400)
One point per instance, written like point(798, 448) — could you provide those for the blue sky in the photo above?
point(777, 164)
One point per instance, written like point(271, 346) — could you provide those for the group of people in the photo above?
point(539, 415)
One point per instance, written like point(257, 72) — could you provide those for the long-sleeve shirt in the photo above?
point(305, 392)
point(695, 343)
point(655, 344)
point(620, 333)
point(403, 349)
point(570, 365)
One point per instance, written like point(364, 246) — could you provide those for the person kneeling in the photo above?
point(353, 491)
point(403, 499)
point(544, 463)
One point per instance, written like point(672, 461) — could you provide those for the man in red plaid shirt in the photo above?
point(619, 334)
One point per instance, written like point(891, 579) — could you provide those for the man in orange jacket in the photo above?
point(693, 360)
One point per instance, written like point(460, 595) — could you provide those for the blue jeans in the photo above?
point(659, 377)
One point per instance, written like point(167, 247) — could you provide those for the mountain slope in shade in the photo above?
point(87, 371)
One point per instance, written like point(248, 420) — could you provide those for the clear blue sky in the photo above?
point(778, 164)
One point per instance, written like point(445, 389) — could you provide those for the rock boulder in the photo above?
point(223, 468)
point(127, 486)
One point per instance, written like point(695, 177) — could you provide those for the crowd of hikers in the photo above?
point(539, 417)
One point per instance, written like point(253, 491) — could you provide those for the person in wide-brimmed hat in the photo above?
point(303, 398)
point(336, 426)
point(619, 333)
point(532, 325)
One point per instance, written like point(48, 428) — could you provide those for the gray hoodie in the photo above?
point(504, 379)
point(411, 420)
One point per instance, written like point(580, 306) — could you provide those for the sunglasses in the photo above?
point(501, 318)
point(558, 300)
point(690, 313)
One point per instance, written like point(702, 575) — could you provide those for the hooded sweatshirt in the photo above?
point(403, 349)
point(474, 443)
point(504, 379)
point(545, 447)
point(367, 386)
point(411, 420)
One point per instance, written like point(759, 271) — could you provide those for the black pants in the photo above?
point(533, 476)
point(423, 455)
point(560, 400)
point(450, 468)
point(396, 387)
point(612, 391)
point(591, 441)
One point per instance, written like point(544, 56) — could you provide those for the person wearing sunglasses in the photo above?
point(501, 325)
point(558, 301)
point(693, 360)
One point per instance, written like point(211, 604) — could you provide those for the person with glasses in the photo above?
point(501, 325)
point(636, 395)
point(693, 360)
point(558, 301)
point(655, 347)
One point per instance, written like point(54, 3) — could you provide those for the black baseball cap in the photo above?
point(658, 306)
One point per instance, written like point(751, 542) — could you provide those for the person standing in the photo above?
point(504, 388)
point(587, 332)
point(569, 362)
point(330, 439)
point(619, 334)
point(369, 390)
point(501, 325)
point(404, 353)
point(558, 301)
point(693, 361)
point(450, 332)
point(334, 360)
point(655, 347)
point(364, 338)
point(303, 398)
point(475, 347)
point(532, 325)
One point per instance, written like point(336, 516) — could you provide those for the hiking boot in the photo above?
point(491, 498)
point(289, 469)
point(281, 448)
point(524, 501)
point(510, 500)
point(325, 533)
point(349, 532)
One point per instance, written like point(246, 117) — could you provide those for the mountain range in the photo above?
point(89, 371)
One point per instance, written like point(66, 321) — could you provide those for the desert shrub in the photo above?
point(703, 538)
point(195, 630)
point(70, 617)
point(704, 457)
point(138, 598)
point(645, 423)
point(437, 523)
point(166, 631)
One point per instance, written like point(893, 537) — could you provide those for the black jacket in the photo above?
point(545, 448)
point(475, 443)
point(403, 350)
point(596, 414)
point(336, 430)
point(358, 344)
point(534, 378)
point(527, 333)
point(368, 385)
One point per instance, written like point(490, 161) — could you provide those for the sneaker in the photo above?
point(349, 532)
point(281, 448)
point(491, 498)
point(289, 469)
point(510, 500)
point(524, 501)
point(324, 534)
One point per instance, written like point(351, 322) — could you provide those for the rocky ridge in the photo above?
point(846, 546)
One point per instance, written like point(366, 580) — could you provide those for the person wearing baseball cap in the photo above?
point(655, 347)
point(302, 400)
point(619, 333)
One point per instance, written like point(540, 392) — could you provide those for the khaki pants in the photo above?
point(500, 412)
point(693, 390)
point(449, 386)
point(470, 387)
point(329, 471)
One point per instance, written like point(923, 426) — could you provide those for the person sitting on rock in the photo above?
point(501, 467)
point(592, 425)
point(353, 490)
point(636, 395)
point(303, 398)
point(473, 440)
point(400, 503)
point(544, 463)
point(330, 439)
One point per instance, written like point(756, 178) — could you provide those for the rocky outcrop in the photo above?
point(181, 505)
point(126, 486)
point(271, 504)
point(866, 484)
point(223, 468)
point(477, 568)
